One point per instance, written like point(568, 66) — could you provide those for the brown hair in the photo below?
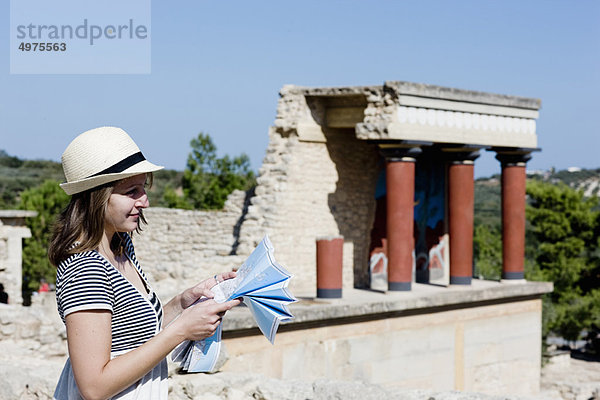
point(79, 227)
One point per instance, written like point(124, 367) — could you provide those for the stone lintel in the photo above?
point(411, 111)
point(15, 217)
point(344, 117)
point(413, 94)
point(330, 91)
point(438, 133)
point(363, 305)
point(469, 96)
point(463, 106)
point(17, 213)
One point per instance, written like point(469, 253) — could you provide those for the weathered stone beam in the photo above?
point(344, 117)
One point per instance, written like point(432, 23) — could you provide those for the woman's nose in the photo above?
point(142, 201)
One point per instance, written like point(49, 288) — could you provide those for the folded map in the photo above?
point(262, 284)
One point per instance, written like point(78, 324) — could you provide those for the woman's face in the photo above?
point(124, 205)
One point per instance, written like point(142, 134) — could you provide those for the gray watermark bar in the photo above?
point(80, 37)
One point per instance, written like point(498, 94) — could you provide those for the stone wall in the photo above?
point(179, 248)
point(314, 182)
point(37, 328)
point(494, 350)
point(485, 338)
point(307, 190)
point(352, 203)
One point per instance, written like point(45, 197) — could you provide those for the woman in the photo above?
point(118, 333)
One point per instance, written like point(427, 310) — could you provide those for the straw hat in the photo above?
point(99, 156)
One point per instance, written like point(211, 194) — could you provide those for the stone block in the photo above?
point(8, 314)
point(8, 330)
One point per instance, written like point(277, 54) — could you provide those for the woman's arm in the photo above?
point(89, 341)
point(183, 300)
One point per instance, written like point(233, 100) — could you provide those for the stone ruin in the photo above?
point(336, 157)
point(12, 231)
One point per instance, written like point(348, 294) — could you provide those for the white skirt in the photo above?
point(152, 386)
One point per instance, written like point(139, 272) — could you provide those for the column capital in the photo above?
point(513, 157)
point(394, 154)
point(401, 150)
point(461, 154)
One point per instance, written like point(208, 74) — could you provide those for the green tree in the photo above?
point(208, 179)
point(565, 225)
point(487, 251)
point(17, 175)
point(172, 200)
point(163, 182)
point(48, 200)
point(487, 233)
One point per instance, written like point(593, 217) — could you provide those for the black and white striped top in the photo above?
point(88, 281)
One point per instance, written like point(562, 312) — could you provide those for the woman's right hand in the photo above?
point(89, 340)
point(201, 320)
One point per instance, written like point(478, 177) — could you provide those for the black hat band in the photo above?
point(122, 165)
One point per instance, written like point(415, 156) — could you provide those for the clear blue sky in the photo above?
point(217, 67)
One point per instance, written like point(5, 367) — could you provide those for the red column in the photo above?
point(400, 182)
point(514, 180)
point(329, 267)
point(461, 198)
point(513, 221)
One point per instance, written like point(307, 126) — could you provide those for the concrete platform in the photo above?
point(485, 338)
point(423, 298)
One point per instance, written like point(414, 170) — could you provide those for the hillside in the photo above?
point(17, 175)
point(587, 180)
point(487, 190)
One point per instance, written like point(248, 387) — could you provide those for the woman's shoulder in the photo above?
point(83, 256)
point(78, 262)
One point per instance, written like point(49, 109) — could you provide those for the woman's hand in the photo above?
point(191, 295)
point(201, 320)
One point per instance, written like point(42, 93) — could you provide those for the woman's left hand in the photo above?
point(191, 295)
